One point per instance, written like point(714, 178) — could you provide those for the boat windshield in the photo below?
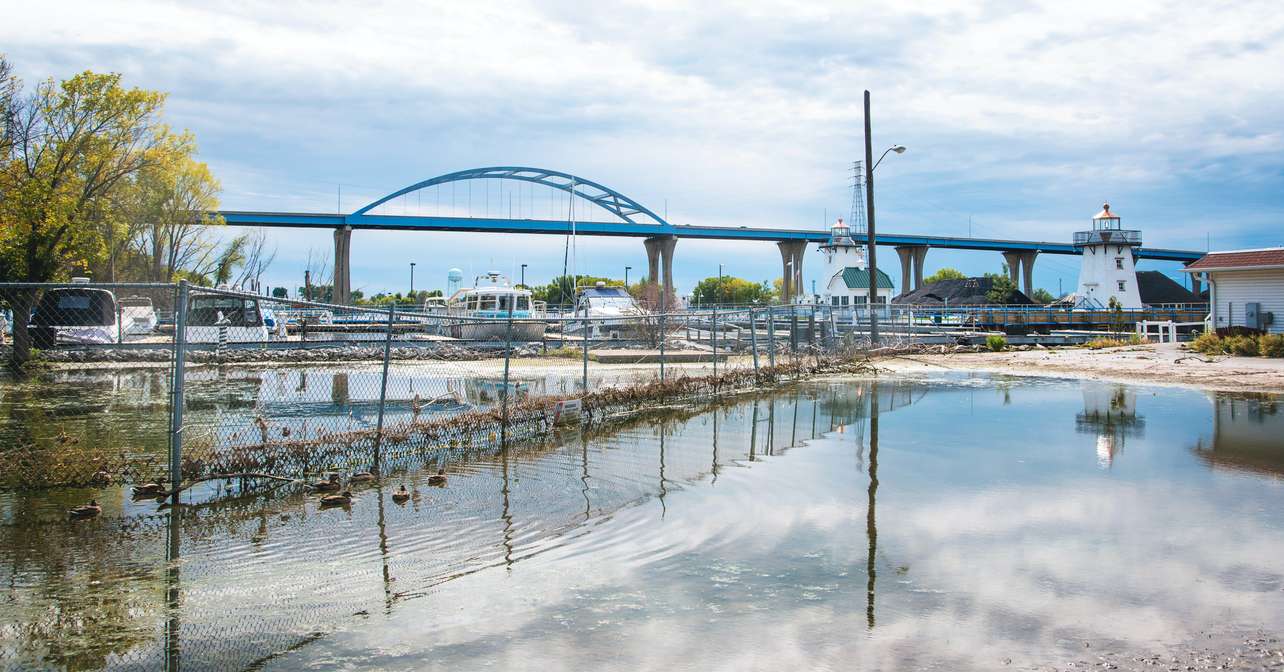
point(76, 307)
point(497, 302)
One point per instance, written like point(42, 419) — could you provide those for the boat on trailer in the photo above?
point(486, 307)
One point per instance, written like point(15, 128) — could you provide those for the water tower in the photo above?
point(1109, 268)
point(454, 278)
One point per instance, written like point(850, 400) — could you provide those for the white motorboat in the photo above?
point(486, 307)
point(611, 311)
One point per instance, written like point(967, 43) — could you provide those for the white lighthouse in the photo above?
point(1109, 268)
point(847, 272)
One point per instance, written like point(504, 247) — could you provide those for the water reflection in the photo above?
point(1109, 412)
point(655, 543)
point(1248, 434)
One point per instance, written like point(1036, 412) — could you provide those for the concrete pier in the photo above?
point(342, 266)
point(659, 260)
point(791, 257)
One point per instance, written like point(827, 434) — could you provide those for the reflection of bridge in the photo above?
point(635, 220)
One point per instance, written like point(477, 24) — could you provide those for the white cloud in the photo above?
point(747, 111)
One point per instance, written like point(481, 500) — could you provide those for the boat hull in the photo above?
point(498, 331)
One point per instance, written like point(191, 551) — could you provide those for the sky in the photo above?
point(1020, 118)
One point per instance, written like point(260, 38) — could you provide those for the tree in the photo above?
point(72, 144)
point(171, 203)
point(1043, 296)
point(280, 293)
point(561, 291)
point(731, 290)
point(944, 274)
point(10, 87)
point(1002, 289)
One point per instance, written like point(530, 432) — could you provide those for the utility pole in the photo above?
point(869, 223)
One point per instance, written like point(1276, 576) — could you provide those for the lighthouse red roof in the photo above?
point(1269, 257)
point(1105, 213)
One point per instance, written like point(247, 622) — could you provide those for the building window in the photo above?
point(1119, 263)
point(835, 300)
point(845, 301)
point(1122, 285)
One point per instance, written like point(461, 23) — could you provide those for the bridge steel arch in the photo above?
point(600, 195)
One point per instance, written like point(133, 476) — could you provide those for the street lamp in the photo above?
point(523, 276)
point(870, 165)
point(899, 149)
point(412, 279)
point(626, 277)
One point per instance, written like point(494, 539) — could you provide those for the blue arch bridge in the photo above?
point(633, 219)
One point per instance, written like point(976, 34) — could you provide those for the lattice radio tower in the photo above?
point(856, 221)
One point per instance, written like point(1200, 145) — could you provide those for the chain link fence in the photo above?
point(174, 385)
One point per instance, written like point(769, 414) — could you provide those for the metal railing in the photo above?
point(1111, 236)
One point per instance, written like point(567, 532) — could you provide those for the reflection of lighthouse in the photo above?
point(1110, 412)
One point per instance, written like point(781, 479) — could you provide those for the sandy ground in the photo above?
point(1166, 364)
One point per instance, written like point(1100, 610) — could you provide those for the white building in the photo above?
point(847, 272)
point(1109, 267)
point(1246, 288)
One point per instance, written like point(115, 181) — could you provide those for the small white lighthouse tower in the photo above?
point(1109, 268)
point(847, 272)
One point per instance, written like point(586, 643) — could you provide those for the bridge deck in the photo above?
point(635, 230)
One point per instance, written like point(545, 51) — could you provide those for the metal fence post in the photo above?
point(715, 343)
point(586, 349)
point(508, 352)
point(383, 385)
point(771, 337)
point(662, 335)
point(753, 339)
point(793, 329)
point(811, 330)
point(176, 391)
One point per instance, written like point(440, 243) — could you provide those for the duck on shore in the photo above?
point(86, 510)
point(401, 496)
point(342, 499)
point(438, 479)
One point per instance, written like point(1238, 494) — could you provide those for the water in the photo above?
point(959, 522)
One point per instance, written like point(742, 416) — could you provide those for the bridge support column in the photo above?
point(1013, 260)
point(659, 259)
point(1027, 272)
point(1196, 282)
point(905, 252)
point(342, 293)
point(791, 258)
point(920, 255)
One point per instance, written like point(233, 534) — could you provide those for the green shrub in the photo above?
point(1271, 345)
point(1209, 343)
point(1244, 346)
point(996, 342)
